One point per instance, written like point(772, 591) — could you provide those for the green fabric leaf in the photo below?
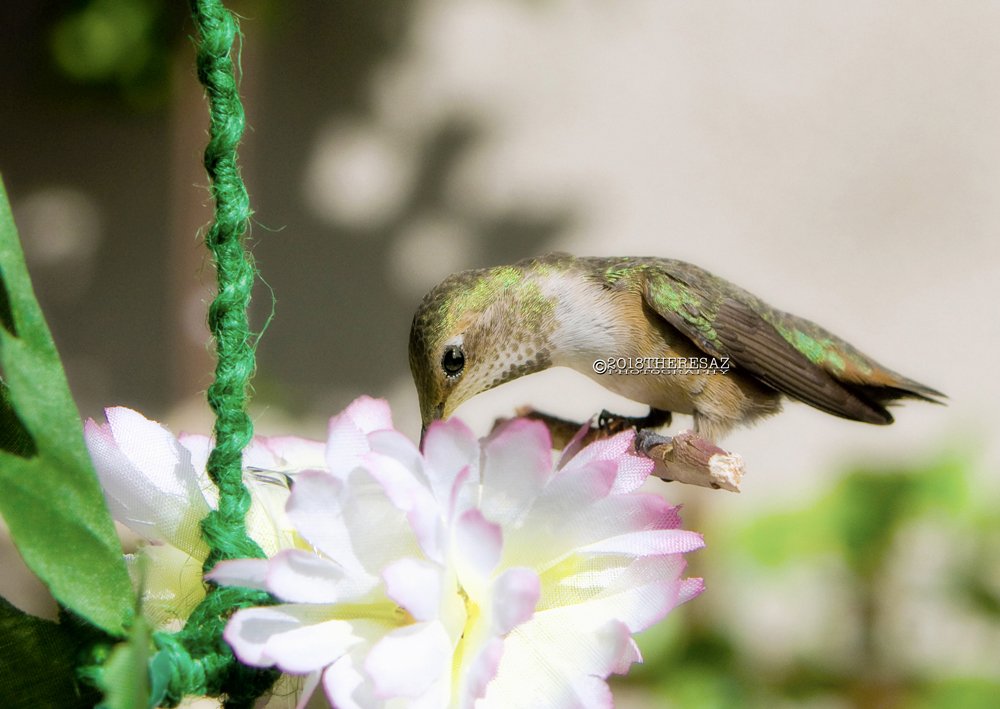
point(160, 669)
point(51, 499)
point(37, 661)
point(126, 674)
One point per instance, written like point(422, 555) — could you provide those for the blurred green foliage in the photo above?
point(122, 46)
point(867, 528)
point(860, 517)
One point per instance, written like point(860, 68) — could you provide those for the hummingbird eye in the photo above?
point(453, 361)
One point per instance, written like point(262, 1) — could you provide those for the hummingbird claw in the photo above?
point(609, 423)
point(646, 440)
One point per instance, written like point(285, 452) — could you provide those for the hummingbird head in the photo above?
point(474, 331)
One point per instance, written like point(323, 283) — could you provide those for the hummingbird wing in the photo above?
point(793, 355)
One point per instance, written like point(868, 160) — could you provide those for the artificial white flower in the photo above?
point(473, 573)
point(156, 484)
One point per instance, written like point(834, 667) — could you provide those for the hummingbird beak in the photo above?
point(437, 415)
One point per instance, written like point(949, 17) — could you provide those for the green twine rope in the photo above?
point(200, 662)
point(224, 529)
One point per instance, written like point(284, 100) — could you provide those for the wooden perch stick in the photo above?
point(685, 458)
point(689, 458)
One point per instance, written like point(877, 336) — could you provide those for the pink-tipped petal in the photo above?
point(638, 594)
point(574, 446)
point(481, 672)
point(293, 638)
point(464, 492)
point(515, 595)
point(449, 448)
point(92, 431)
point(647, 542)
point(631, 469)
point(345, 445)
point(347, 434)
point(629, 656)
point(517, 463)
point(690, 588)
point(154, 452)
point(606, 518)
point(370, 414)
point(479, 543)
point(611, 448)
point(113, 469)
point(298, 576)
point(144, 442)
point(249, 573)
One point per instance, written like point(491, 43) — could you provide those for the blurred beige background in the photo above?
point(841, 160)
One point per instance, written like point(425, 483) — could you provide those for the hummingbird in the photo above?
point(728, 358)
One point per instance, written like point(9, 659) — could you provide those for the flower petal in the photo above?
point(293, 638)
point(370, 414)
point(171, 583)
point(148, 480)
point(480, 672)
point(564, 662)
point(299, 576)
point(515, 595)
point(574, 446)
point(249, 573)
point(554, 530)
point(311, 647)
point(352, 523)
point(291, 453)
point(396, 464)
point(517, 462)
point(153, 450)
point(348, 686)
point(638, 592)
point(315, 509)
point(347, 435)
point(411, 662)
point(646, 542)
point(415, 585)
point(478, 544)
point(690, 587)
point(449, 448)
point(631, 469)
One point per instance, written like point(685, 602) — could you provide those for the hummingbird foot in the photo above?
point(610, 424)
point(646, 441)
point(687, 457)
